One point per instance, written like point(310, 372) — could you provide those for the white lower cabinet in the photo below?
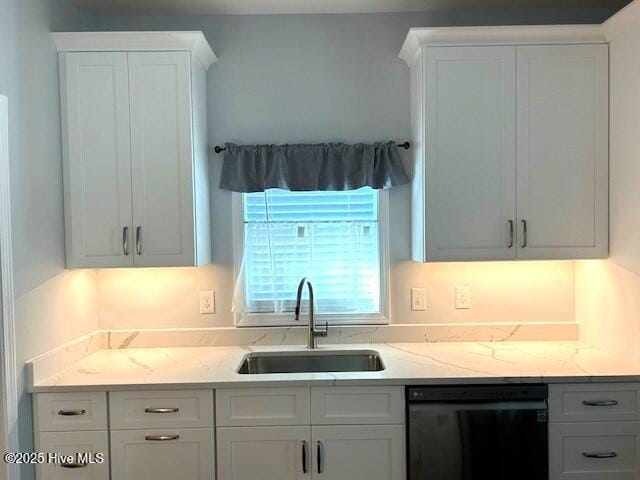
point(84, 446)
point(264, 453)
point(337, 439)
point(353, 452)
point(184, 454)
point(594, 432)
point(358, 452)
point(594, 450)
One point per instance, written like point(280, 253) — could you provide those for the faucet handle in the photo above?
point(325, 332)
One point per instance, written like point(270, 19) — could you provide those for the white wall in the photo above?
point(302, 78)
point(52, 306)
point(623, 31)
point(608, 292)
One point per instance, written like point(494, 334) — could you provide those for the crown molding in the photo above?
point(508, 35)
point(194, 42)
point(626, 20)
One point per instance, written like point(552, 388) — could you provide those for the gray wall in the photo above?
point(315, 78)
point(279, 79)
point(29, 77)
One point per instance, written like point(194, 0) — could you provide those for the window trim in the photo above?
point(243, 319)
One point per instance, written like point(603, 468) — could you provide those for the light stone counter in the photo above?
point(406, 363)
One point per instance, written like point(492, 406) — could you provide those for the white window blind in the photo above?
point(330, 237)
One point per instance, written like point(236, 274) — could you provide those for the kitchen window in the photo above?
point(335, 238)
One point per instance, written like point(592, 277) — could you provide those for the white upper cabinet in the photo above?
point(510, 143)
point(563, 142)
point(470, 192)
point(135, 155)
point(97, 167)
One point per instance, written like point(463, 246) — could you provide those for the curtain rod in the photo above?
point(406, 145)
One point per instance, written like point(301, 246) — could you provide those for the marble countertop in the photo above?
point(406, 363)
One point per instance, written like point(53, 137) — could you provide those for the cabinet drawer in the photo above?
point(585, 451)
point(59, 412)
point(602, 402)
point(167, 454)
point(73, 443)
point(262, 406)
point(357, 405)
point(161, 409)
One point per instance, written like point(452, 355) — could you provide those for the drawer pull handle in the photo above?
point(600, 403)
point(162, 410)
point(599, 454)
point(73, 465)
point(161, 438)
point(72, 413)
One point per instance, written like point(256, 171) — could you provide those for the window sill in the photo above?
point(287, 320)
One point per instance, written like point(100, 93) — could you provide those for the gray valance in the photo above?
point(302, 167)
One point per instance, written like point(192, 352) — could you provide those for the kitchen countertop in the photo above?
point(406, 363)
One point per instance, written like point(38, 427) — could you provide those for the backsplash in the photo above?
point(66, 355)
point(502, 292)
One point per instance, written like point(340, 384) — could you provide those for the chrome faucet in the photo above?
point(312, 332)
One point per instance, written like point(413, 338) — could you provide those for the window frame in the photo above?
point(244, 319)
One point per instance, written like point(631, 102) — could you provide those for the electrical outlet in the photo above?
point(207, 302)
point(463, 297)
point(418, 299)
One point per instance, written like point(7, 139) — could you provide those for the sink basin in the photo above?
point(309, 362)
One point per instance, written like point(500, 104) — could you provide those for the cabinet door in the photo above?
point(470, 152)
point(76, 444)
point(562, 151)
point(162, 167)
point(265, 453)
point(185, 454)
point(371, 452)
point(97, 162)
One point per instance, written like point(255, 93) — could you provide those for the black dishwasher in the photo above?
point(477, 433)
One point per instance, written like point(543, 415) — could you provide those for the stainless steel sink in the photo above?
point(309, 362)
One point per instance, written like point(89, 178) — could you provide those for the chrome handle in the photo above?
point(161, 438)
point(319, 451)
point(139, 240)
point(162, 410)
point(524, 233)
point(71, 413)
point(125, 240)
point(304, 456)
point(510, 233)
point(599, 454)
point(73, 465)
point(600, 403)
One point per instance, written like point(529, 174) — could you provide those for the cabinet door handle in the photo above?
point(71, 413)
point(161, 410)
point(73, 465)
point(600, 403)
point(304, 456)
point(139, 240)
point(125, 240)
point(524, 234)
point(599, 455)
point(319, 452)
point(161, 438)
point(510, 233)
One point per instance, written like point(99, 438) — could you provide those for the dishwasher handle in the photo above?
point(540, 405)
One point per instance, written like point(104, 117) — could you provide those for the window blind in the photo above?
point(330, 237)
